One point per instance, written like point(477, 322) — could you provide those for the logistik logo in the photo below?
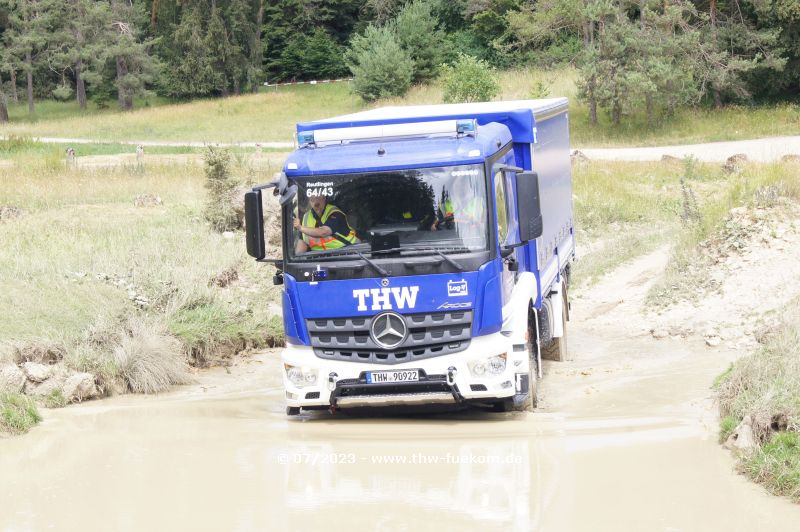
point(457, 288)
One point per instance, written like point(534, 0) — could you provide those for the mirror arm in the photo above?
point(277, 262)
point(509, 168)
point(271, 184)
point(505, 251)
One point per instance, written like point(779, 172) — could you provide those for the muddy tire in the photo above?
point(557, 349)
point(532, 400)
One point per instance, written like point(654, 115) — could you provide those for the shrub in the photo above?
point(220, 211)
point(380, 67)
point(469, 80)
point(62, 93)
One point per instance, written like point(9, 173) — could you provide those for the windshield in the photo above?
point(434, 210)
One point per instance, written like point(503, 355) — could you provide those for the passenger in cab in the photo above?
point(460, 208)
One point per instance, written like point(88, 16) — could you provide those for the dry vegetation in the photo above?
point(714, 227)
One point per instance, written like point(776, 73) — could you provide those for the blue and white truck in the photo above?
point(426, 255)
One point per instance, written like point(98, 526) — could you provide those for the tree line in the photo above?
point(633, 55)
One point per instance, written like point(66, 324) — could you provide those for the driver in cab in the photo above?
point(459, 208)
point(324, 227)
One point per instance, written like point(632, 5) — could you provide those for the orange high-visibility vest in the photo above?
point(333, 241)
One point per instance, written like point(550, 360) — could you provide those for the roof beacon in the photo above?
point(466, 127)
point(305, 139)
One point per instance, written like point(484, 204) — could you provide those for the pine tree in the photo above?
point(83, 38)
point(416, 30)
point(27, 36)
point(379, 64)
point(732, 48)
point(130, 51)
point(192, 73)
point(220, 50)
point(242, 34)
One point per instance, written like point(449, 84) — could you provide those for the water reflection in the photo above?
point(428, 482)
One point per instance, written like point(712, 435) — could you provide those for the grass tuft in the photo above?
point(726, 427)
point(18, 414)
point(777, 465)
point(149, 360)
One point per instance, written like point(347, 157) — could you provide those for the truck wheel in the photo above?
point(292, 410)
point(557, 349)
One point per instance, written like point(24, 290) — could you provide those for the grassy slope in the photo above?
point(270, 116)
point(68, 263)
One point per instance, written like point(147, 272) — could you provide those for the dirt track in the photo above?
point(625, 440)
point(760, 150)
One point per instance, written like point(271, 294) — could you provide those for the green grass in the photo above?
point(777, 465)
point(18, 414)
point(20, 148)
point(726, 427)
point(54, 399)
point(271, 115)
point(56, 110)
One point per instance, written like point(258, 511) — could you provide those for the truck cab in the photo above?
point(426, 255)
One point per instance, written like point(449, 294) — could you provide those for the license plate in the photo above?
point(403, 375)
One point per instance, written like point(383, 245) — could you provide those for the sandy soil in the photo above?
point(625, 439)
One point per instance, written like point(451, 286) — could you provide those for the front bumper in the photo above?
point(443, 380)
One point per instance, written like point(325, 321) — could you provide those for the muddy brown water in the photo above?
point(625, 440)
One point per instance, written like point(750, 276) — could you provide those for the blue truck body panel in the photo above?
point(538, 133)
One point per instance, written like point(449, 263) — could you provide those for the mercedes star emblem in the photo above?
point(388, 330)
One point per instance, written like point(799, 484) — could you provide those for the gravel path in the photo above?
point(760, 150)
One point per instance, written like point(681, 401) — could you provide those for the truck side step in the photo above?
point(396, 399)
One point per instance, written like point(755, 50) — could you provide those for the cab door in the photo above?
point(505, 224)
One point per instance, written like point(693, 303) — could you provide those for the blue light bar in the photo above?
point(466, 126)
point(305, 138)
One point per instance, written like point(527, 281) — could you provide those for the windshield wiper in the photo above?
point(371, 263)
point(449, 261)
point(455, 264)
point(335, 255)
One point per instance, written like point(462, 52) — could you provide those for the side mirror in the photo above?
point(254, 224)
point(529, 208)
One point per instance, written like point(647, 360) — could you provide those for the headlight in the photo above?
point(497, 365)
point(494, 365)
point(300, 377)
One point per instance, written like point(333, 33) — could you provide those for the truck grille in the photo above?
point(429, 335)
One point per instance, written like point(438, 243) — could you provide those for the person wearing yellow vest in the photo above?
point(324, 227)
